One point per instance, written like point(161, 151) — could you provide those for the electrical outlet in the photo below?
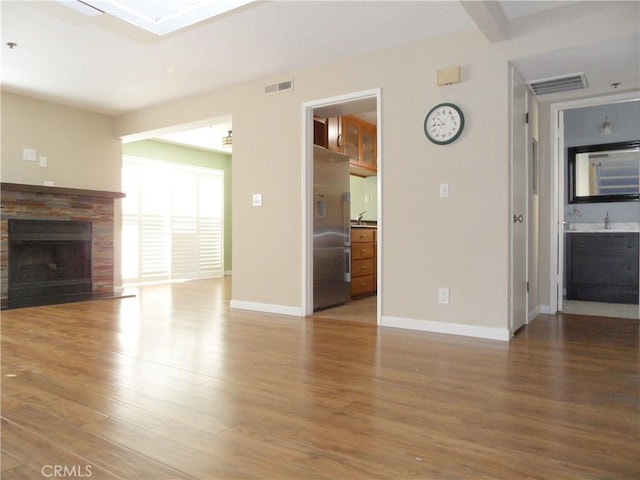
point(444, 190)
point(257, 200)
point(443, 296)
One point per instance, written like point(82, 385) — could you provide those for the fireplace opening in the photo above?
point(49, 262)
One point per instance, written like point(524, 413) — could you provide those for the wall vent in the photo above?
point(280, 87)
point(574, 81)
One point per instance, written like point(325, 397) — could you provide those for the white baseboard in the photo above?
point(267, 308)
point(547, 310)
point(493, 333)
point(533, 314)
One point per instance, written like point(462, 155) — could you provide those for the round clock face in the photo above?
point(444, 123)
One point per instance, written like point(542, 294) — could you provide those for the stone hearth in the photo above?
point(63, 204)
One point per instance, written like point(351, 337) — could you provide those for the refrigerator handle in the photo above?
point(346, 217)
point(347, 264)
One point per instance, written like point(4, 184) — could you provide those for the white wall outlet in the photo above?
point(29, 154)
point(444, 190)
point(257, 200)
point(443, 296)
point(42, 161)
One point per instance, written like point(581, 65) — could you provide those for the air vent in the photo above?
point(279, 87)
point(565, 83)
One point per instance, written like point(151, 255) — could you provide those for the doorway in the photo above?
point(365, 105)
point(571, 121)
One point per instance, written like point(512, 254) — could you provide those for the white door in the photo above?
point(518, 211)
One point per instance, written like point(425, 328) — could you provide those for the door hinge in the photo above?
point(527, 286)
point(526, 118)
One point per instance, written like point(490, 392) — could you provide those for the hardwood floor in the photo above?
point(172, 384)
point(358, 310)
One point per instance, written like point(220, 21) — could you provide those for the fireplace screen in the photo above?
point(49, 261)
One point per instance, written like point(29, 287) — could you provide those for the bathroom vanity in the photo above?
point(602, 266)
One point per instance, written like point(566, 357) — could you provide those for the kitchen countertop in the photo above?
point(364, 225)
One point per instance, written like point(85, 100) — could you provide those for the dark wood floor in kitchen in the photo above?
point(173, 384)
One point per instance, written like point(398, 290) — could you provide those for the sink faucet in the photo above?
point(360, 215)
point(607, 222)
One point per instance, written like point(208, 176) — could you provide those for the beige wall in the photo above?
point(81, 149)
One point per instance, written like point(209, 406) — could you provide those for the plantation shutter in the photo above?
point(172, 221)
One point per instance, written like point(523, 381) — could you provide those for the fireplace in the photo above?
point(49, 262)
point(56, 245)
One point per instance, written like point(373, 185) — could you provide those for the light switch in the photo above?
point(444, 190)
point(257, 199)
point(29, 154)
point(42, 161)
point(443, 296)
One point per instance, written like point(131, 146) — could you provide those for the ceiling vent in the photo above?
point(575, 81)
point(279, 87)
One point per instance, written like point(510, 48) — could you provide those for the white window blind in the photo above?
point(172, 221)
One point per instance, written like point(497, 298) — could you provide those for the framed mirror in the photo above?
point(608, 172)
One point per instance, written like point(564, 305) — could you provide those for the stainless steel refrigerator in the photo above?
point(331, 229)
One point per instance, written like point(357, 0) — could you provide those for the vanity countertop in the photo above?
point(599, 228)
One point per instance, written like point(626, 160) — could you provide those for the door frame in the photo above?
point(307, 192)
point(556, 231)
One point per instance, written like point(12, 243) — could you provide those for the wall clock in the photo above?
point(444, 123)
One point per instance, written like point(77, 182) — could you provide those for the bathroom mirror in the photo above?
point(607, 172)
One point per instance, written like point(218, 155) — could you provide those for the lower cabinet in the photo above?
point(363, 261)
point(603, 267)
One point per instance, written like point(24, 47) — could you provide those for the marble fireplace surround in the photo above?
point(36, 202)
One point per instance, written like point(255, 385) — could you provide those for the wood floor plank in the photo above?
point(171, 453)
point(116, 459)
point(173, 384)
point(40, 454)
point(8, 461)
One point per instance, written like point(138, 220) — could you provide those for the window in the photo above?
point(172, 221)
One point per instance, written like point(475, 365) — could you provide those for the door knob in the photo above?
point(518, 218)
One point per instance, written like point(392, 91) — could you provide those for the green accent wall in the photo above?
point(199, 158)
point(364, 197)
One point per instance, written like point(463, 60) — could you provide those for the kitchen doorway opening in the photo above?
point(333, 122)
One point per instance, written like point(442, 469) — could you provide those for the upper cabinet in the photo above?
point(357, 139)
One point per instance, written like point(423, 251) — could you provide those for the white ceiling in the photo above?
point(103, 64)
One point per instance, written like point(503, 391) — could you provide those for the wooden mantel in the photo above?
point(20, 187)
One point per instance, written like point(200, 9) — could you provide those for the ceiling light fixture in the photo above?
point(606, 128)
point(228, 140)
point(12, 45)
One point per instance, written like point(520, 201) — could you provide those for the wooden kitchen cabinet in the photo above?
point(321, 132)
point(357, 139)
point(602, 267)
point(363, 261)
